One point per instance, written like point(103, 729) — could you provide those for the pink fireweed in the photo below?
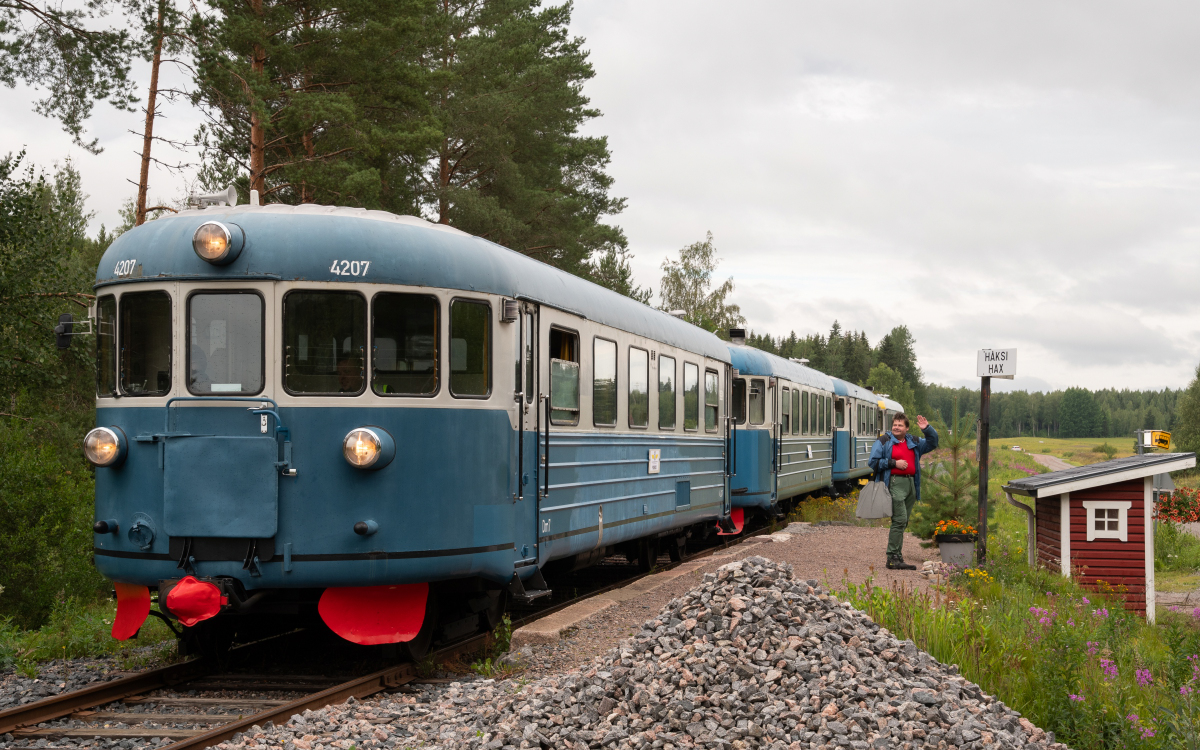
point(1143, 677)
point(1110, 669)
point(1091, 648)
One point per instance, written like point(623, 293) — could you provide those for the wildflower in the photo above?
point(1076, 698)
point(1110, 669)
point(1186, 690)
point(1091, 648)
point(1071, 622)
point(1196, 613)
point(1085, 600)
point(1102, 612)
point(1147, 733)
point(1143, 677)
point(1132, 718)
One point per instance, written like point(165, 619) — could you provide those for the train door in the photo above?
point(776, 388)
point(527, 403)
point(727, 411)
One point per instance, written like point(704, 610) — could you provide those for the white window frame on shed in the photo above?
point(1122, 532)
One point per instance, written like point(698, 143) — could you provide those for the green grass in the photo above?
point(1033, 639)
point(76, 630)
point(1077, 451)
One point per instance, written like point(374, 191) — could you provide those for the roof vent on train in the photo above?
point(737, 336)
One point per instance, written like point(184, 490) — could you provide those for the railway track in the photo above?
point(206, 706)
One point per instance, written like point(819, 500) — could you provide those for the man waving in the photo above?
point(897, 459)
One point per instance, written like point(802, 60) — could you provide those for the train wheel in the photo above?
point(677, 548)
point(647, 553)
point(418, 647)
point(494, 614)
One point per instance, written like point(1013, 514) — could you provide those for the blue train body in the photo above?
point(302, 400)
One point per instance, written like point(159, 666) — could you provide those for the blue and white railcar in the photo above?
point(340, 407)
point(858, 419)
point(783, 416)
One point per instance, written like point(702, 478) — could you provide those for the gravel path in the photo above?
point(752, 657)
point(1053, 463)
point(824, 553)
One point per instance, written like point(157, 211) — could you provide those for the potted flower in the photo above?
point(956, 542)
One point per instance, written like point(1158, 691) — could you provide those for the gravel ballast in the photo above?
point(752, 657)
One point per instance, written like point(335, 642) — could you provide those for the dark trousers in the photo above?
point(904, 497)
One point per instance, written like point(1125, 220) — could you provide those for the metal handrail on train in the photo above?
point(285, 466)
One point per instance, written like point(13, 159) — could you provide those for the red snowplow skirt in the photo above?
point(738, 516)
point(133, 607)
point(370, 615)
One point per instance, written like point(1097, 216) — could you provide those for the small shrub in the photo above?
point(1108, 450)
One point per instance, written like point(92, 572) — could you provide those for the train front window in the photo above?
point(470, 348)
point(404, 352)
point(106, 345)
point(324, 339)
point(739, 401)
point(145, 344)
point(225, 343)
point(758, 401)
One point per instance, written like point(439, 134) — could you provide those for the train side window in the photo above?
point(324, 342)
point(666, 393)
point(106, 345)
point(824, 400)
point(145, 357)
point(711, 400)
point(639, 387)
point(840, 410)
point(604, 383)
point(530, 366)
point(691, 397)
point(404, 350)
point(785, 410)
point(796, 411)
point(828, 414)
point(739, 401)
point(758, 401)
point(804, 413)
point(812, 414)
point(470, 348)
point(225, 343)
point(564, 377)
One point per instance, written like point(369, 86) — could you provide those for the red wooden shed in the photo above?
point(1096, 522)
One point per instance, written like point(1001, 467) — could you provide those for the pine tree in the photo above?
point(949, 485)
point(1187, 431)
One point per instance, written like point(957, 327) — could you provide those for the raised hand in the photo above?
point(922, 422)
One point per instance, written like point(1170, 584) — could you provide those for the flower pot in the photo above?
point(957, 549)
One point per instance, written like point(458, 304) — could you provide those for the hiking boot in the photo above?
point(897, 563)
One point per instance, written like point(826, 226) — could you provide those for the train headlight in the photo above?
point(217, 243)
point(368, 448)
point(105, 446)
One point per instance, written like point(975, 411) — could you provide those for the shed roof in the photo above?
point(1096, 475)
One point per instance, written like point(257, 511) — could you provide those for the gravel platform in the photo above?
point(752, 657)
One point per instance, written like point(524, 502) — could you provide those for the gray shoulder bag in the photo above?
point(874, 500)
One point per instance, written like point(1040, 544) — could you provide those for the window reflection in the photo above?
point(225, 347)
point(145, 343)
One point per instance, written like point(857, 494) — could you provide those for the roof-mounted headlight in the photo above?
point(218, 243)
point(105, 446)
point(368, 448)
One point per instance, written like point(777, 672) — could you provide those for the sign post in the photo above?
point(991, 363)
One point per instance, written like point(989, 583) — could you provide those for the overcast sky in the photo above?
point(1005, 174)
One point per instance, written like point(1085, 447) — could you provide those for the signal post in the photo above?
point(990, 363)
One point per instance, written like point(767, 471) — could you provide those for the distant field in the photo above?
point(1077, 451)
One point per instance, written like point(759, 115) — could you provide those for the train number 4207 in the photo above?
point(349, 267)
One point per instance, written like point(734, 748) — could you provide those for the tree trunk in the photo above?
point(258, 141)
point(148, 135)
point(443, 185)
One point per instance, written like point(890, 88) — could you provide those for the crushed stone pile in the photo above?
point(750, 658)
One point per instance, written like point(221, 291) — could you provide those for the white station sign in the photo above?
point(997, 363)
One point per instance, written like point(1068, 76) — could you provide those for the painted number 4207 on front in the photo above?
point(349, 267)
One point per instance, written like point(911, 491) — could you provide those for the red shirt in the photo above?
point(901, 452)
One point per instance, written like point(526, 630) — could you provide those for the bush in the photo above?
point(1175, 549)
point(46, 509)
point(75, 629)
